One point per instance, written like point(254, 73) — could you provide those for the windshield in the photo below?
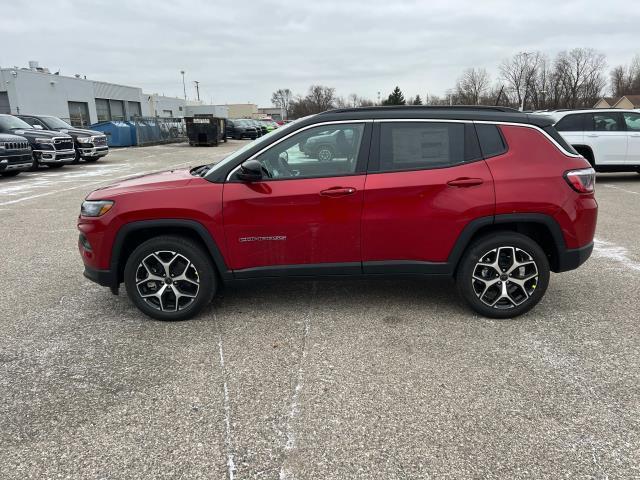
point(55, 122)
point(9, 122)
point(262, 141)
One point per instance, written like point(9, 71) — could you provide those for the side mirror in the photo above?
point(250, 171)
point(38, 127)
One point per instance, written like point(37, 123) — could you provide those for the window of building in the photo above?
point(421, 145)
point(134, 109)
point(117, 109)
point(79, 114)
point(167, 113)
point(102, 110)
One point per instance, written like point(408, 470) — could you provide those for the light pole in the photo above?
point(197, 88)
point(526, 77)
point(184, 87)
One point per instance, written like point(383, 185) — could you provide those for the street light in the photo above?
point(184, 87)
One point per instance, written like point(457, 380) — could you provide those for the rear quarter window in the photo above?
point(573, 123)
point(553, 133)
point(491, 141)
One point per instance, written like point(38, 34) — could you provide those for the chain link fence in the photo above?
point(156, 130)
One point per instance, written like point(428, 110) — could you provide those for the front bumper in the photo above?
point(93, 151)
point(55, 156)
point(19, 162)
point(572, 258)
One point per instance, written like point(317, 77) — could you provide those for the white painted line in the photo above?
point(294, 405)
point(614, 252)
point(231, 467)
point(618, 188)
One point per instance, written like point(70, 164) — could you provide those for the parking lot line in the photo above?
point(619, 188)
point(227, 406)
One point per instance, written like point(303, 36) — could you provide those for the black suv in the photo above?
point(15, 155)
point(239, 129)
point(90, 145)
point(50, 148)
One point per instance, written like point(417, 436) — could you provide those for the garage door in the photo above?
point(4, 103)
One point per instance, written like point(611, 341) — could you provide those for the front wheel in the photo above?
point(325, 153)
point(170, 278)
point(503, 275)
point(91, 159)
point(55, 165)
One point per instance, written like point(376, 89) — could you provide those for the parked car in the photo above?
point(90, 145)
point(270, 124)
point(608, 138)
point(239, 129)
point(493, 198)
point(15, 155)
point(261, 129)
point(331, 142)
point(50, 148)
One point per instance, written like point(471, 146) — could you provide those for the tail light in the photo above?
point(582, 181)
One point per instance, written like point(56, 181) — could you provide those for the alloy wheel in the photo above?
point(167, 281)
point(324, 154)
point(505, 277)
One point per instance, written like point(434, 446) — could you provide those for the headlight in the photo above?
point(43, 140)
point(95, 208)
point(84, 139)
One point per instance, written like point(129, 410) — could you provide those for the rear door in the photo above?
point(426, 182)
point(304, 216)
point(632, 124)
point(607, 138)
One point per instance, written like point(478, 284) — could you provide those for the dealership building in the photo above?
point(82, 102)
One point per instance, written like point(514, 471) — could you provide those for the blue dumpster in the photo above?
point(118, 133)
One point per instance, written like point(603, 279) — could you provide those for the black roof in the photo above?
point(457, 112)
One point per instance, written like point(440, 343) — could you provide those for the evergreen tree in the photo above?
point(417, 100)
point(395, 98)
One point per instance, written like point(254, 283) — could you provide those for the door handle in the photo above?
point(338, 191)
point(635, 134)
point(465, 182)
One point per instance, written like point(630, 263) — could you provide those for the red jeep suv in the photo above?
point(489, 196)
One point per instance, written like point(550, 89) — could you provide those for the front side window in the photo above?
point(421, 145)
point(573, 123)
point(325, 151)
point(632, 121)
point(606, 122)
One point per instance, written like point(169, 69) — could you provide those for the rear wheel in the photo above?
point(170, 278)
point(325, 153)
point(503, 275)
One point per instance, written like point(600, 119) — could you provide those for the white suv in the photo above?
point(609, 139)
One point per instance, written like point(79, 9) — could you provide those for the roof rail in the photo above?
point(425, 107)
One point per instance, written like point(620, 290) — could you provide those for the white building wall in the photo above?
point(158, 104)
point(221, 111)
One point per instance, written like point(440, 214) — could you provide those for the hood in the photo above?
point(80, 132)
point(153, 181)
point(7, 137)
point(35, 133)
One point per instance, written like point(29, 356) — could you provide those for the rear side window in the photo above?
point(421, 145)
point(607, 122)
point(491, 141)
point(573, 123)
point(553, 133)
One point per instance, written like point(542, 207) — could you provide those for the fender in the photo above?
point(192, 225)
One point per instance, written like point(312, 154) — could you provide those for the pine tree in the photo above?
point(417, 100)
point(395, 98)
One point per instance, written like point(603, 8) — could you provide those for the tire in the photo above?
point(198, 285)
point(77, 158)
point(91, 159)
point(325, 153)
point(511, 295)
point(55, 165)
point(10, 174)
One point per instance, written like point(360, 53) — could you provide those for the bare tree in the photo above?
point(579, 71)
point(282, 99)
point(518, 73)
point(625, 80)
point(318, 99)
point(472, 86)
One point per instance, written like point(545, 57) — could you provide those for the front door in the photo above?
point(422, 190)
point(304, 215)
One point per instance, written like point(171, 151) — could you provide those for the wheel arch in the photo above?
point(541, 228)
point(587, 152)
point(133, 234)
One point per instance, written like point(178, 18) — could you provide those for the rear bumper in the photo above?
point(573, 258)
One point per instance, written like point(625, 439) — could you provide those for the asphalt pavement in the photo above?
point(331, 379)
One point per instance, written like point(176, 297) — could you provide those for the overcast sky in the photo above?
point(241, 51)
